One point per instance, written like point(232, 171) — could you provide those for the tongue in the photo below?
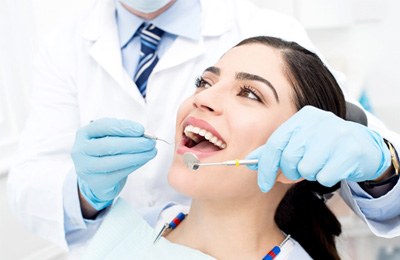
point(205, 146)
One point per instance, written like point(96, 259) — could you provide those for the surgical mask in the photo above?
point(146, 6)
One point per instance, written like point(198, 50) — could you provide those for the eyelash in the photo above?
point(250, 90)
point(200, 82)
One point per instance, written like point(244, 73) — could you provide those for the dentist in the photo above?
point(125, 66)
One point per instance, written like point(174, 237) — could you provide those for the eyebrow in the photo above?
point(213, 70)
point(246, 76)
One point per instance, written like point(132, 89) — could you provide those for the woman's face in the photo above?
point(239, 102)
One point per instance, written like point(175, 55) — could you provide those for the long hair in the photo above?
point(302, 211)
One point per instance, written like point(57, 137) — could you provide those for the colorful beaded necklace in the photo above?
point(181, 216)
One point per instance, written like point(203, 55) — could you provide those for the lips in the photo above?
point(200, 138)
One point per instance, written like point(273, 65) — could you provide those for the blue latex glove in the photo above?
point(318, 146)
point(105, 153)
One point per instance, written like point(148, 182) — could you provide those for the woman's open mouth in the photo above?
point(200, 138)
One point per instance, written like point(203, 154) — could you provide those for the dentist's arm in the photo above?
point(104, 154)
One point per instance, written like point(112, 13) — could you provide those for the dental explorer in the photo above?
point(151, 136)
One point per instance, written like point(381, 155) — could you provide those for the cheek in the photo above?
point(253, 133)
point(185, 107)
point(262, 125)
point(239, 182)
point(184, 110)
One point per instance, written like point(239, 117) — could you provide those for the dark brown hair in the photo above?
point(302, 211)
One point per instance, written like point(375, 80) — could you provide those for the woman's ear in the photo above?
point(282, 178)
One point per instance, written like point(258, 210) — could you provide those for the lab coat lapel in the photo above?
point(102, 30)
point(107, 54)
point(181, 51)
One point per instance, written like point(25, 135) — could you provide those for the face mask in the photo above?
point(146, 6)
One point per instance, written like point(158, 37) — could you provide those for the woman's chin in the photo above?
point(179, 176)
point(192, 183)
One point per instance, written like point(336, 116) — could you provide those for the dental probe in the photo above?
point(193, 163)
point(150, 136)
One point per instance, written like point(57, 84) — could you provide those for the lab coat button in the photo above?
point(151, 203)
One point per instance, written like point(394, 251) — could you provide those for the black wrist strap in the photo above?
point(381, 188)
point(372, 184)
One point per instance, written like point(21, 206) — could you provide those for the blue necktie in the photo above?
point(150, 37)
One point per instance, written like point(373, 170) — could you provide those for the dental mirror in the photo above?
point(191, 161)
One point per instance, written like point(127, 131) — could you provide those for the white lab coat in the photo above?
point(79, 77)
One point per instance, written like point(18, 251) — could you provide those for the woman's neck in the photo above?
point(230, 229)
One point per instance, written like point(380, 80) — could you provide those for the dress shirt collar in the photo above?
point(183, 19)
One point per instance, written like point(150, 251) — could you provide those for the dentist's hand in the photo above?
point(318, 146)
point(104, 154)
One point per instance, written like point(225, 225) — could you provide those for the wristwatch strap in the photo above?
point(393, 177)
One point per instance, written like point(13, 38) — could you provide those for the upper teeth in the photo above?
point(191, 130)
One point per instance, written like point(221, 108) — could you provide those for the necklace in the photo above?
point(168, 227)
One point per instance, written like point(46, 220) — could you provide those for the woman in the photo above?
point(254, 88)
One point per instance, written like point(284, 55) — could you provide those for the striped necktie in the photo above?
point(149, 39)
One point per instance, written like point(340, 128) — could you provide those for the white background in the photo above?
point(358, 37)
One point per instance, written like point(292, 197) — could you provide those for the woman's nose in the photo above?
point(210, 99)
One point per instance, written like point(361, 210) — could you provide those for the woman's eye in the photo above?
point(249, 92)
point(202, 83)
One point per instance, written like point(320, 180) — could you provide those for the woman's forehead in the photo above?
point(255, 57)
